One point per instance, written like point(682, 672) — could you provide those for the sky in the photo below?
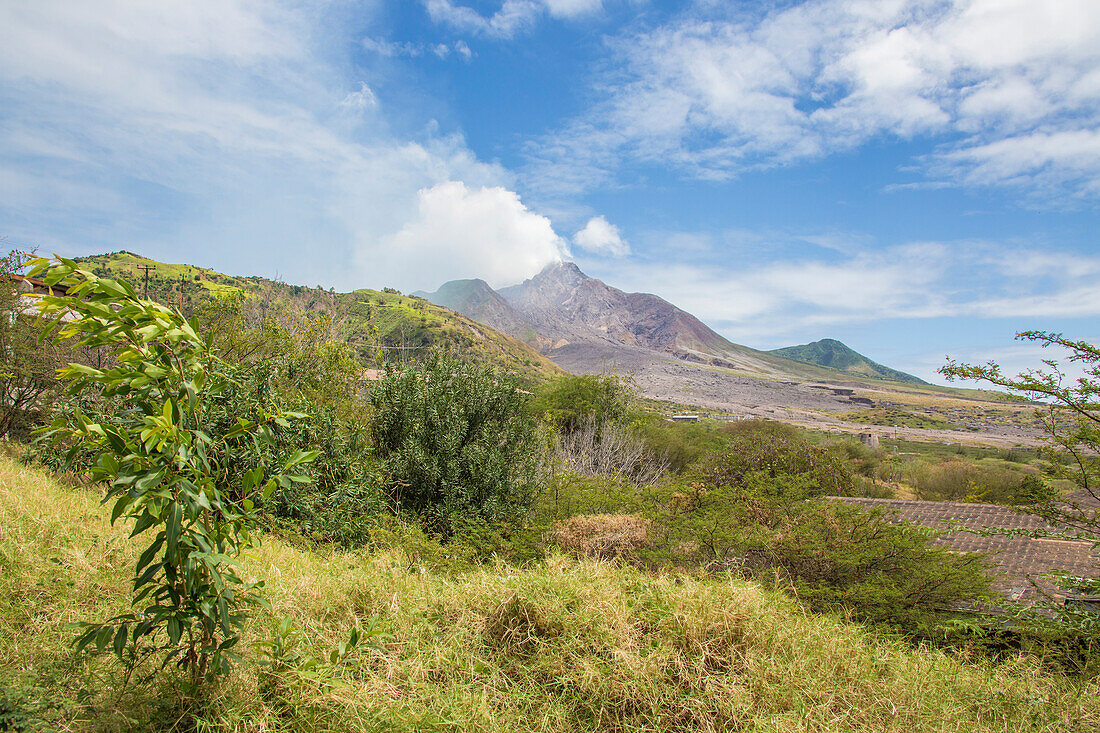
point(916, 178)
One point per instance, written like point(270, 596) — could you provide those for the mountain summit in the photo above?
point(565, 313)
point(585, 325)
point(567, 305)
point(835, 355)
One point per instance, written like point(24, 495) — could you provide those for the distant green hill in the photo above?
point(368, 319)
point(835, 355)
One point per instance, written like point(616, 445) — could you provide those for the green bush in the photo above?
point(456, 441)
point(839, 557)
point(753, 509)
point(681, 443)
point(832, 556)
point(966, 481)
point(774, 449)
point(568, 402)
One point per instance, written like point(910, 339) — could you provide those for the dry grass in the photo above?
point(603, 536)
point(564, 646)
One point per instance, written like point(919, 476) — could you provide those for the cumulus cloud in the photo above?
point(1010, 90)
point(460, 232)
point(513, 17)
point(601, 236)
point(214, 130)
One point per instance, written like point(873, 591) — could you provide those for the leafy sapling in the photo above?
point(162, 470)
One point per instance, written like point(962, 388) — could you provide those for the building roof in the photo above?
point(1021, 560)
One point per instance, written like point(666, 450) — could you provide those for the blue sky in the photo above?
point(915, 178)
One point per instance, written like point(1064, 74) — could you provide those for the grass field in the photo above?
point(559, 646)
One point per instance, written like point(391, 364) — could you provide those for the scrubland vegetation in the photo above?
point(290, 547)
point(559, 645)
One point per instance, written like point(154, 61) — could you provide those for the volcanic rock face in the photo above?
point(564, 304)
point(563, 312)
point(477, 300)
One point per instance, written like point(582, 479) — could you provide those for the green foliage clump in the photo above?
point(833, 557)
point(681, 443)
point(455, 441)
point(839, 557)
point(774, 449)
point(958, 480)
point(568, 402)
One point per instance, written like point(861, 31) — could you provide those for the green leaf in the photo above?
point(302, 456)
point(144, 522)
point(120, 506)
point(120, 641)
point(175, 525)
point(87, 637)
point(149, 481)
point(175, 631)
point(102, 637)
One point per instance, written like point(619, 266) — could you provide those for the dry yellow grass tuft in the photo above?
point(603, 536)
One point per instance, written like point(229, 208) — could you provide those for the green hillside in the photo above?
point(833, 354)
point(372, 321)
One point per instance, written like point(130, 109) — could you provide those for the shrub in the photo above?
point(609, 449)
point(681, 443)
point(455, 440)
point(839, 557)
point(568, 494)
point(753, 512)
point(965, 481)
point(773, 449)
point(569, 402)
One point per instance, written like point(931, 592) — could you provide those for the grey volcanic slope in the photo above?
point(836, 355)
point(567, 306)
point(477, 300)
point(561, 306)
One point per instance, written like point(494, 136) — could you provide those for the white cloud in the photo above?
point(716, 93)
point(858, 282)
point(213, 131)
point(393, 49)
point(513, 17)
point(1047, 163)
point(464, 233)
point(390, 49)
point(571, 8)
point(361, 99)
point(601, 236)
